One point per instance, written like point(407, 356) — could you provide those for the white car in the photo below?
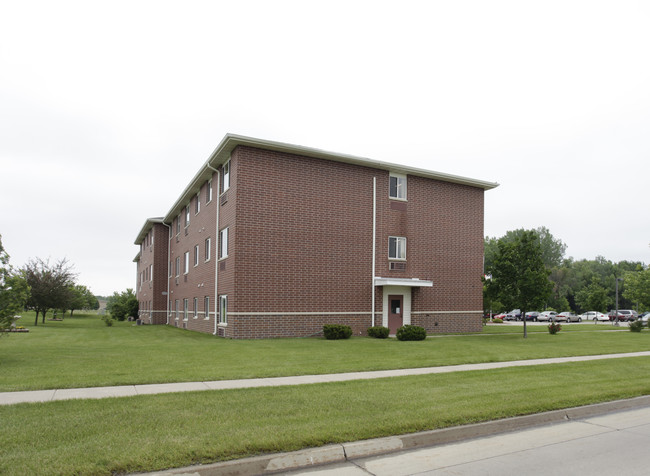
point(594, 316)
point(547, 316)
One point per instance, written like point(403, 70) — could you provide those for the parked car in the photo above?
point(568, 317)
point(500, 316)
point(623, 315)
point(644, 317)
point(629, 313)
point(532, 316)
point(594, 316)
point(547, 316)
point(513, 315)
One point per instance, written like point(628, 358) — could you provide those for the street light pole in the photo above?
point(617, 280)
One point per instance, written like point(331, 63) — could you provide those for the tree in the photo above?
point(123, 305)
point(593, 297)
point(81, 298)
point(518, 275)
point(637, 287)
point(50, 285)
point(552, 249)
point(14, 291)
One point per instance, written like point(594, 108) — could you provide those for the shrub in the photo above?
point(380, 332)
point(337, 331)
point(636, 326)
point(108, 320)
point(496, 320)
point(410, 332)
point(554, 328)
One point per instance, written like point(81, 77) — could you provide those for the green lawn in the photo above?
point(83, 352)
point(148, 433)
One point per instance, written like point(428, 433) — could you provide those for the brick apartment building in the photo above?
point(272, 240)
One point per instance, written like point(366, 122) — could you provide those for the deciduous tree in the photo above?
point(14, 291)
point(518, 275)
point(50, 285)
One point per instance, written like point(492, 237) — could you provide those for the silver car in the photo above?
point(547, 316)
point(568, 317)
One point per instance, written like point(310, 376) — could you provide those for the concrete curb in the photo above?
point(338, 453)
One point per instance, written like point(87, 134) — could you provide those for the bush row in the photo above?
point(407, 332)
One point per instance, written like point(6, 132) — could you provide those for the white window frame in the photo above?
point(208, 198)
point(226, 176)
point(208, 249)
point(196, 308)
point(206, 307)
point(186, 262)
point(187, 216)
point(178, 266)
point(197, 205)
point(223, 309)
point(186, 306)
point(400, 186)
point(196, 255)
point(223, 243)
point(400, 248)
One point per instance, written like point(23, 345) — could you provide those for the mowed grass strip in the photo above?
point(83, 352)
point(148, 433)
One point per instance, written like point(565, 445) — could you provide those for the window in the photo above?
point(171, 268)
point(196, 255)
point(223, 309)
point(186, 263)
point(178, 225)
point(223, 243)
point(397, 186)
point(226, 177)
point(186, 305)
point(208, 192)
point(197, 204)
point(150, 272)
point(396, 247)
point(196, 308)
point(187, 216)
point(178, 265)
point(208, 248)
point(176, 309)
point(206, 307)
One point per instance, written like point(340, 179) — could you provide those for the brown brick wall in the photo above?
point(199, 281)
point(300, 238)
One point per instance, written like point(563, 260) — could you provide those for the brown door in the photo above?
point(395, 312)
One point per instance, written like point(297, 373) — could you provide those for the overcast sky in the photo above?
point(100, 99)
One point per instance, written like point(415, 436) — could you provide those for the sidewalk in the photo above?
point(10, 398)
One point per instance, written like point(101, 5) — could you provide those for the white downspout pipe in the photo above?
point(374, 238)
point(216, 254)
point(169, 251)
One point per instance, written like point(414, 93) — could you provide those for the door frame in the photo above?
point(405, 292)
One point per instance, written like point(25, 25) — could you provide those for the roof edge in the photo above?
point(230, 141)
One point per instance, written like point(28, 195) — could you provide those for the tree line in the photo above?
point(560, 284)
point(40, 286)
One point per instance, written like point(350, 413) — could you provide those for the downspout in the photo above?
point(216, 257)
point(374, 237)
point(169, 251)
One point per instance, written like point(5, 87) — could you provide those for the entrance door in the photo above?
point(395, 313)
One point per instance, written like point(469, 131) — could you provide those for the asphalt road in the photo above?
point(615, 443)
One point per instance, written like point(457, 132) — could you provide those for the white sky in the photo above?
point(99, 100)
